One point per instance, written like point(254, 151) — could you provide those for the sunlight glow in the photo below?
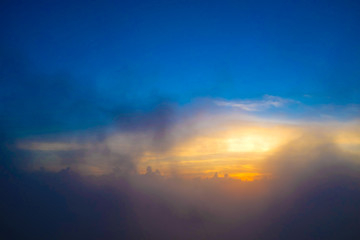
point(249, 144)
point(236, 149)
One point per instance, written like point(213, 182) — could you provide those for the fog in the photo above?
point(313, 193)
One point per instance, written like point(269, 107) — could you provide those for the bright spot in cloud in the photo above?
point(248, 144)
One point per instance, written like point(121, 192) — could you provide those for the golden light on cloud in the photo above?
point(349, 142)
point(236, 151)
point(247, 176)
point(249, 143)
point(225, 145)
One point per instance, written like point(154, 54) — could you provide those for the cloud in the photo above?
point(313, 181)
point(191, 141)
point(267, 102)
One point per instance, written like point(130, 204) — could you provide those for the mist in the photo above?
point(311, 191)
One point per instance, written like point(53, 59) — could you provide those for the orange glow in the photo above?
point(247, 176)
point(237, 152)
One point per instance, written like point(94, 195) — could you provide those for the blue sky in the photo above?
point(107, 55)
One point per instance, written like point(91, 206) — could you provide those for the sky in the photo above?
point(201, 110)
point(187, 49)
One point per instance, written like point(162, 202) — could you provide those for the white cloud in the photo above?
point(268, 101)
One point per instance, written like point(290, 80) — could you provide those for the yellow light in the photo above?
point(237, 151)
point(247, 176)
point(249, 144)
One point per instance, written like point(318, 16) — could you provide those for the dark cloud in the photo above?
point(315, 195)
